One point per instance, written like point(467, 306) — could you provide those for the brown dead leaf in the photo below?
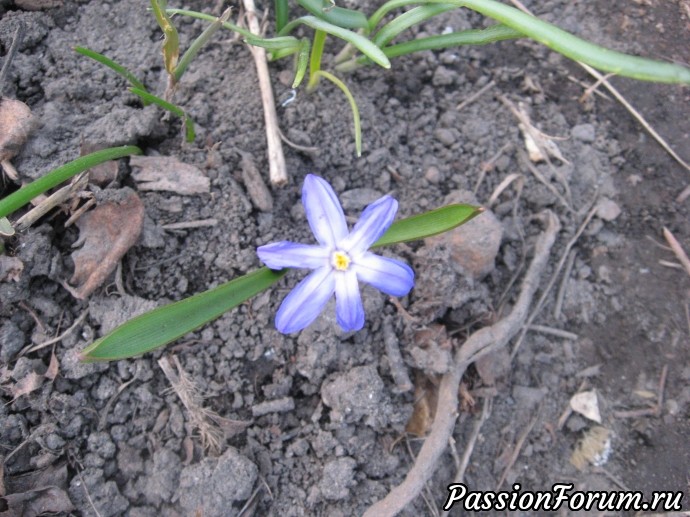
point(53, 368)
point(424, 412)
point(30, 382)
point(16, 122)
point(41, 492)
point(168, 173)
point(105, 233)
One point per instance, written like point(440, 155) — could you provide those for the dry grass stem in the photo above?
point(276, 158)
point(203, 419)
point(518, 448)
point(554, 332)
point(59, 338)
point(55, 199)
point(677, 249)
point(478, 344)
point(186, 225)
point(520, 183)
point(560, 296)
point(475, 95)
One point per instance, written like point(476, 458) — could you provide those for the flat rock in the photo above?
point(474, 245)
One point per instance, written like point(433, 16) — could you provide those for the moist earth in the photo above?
point(315, 423)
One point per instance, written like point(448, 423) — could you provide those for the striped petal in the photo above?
point(372, 224)
point(348, 302)
point(306, 301)
point(391, 276)
point(324, 213)
point(279, 255)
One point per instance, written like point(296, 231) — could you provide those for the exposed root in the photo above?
point(480, 343)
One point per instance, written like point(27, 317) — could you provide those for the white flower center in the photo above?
point(340, 260)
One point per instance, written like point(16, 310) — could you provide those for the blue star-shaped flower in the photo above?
point(339, 261)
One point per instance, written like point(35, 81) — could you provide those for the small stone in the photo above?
point(607, 209)
point(443, 76)
point(445, 136)
point(474, 245)
point(584, 133)
point(433, 174)
point(11, 341)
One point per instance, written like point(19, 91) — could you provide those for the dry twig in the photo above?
point(677, 249)
point(276, 159)
point(480, 343)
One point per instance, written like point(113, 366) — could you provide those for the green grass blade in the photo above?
point(112, 65)
point(198, 43)
point(281, 8)
point(428, 224)
point(575, 48)
point(176, 110)
point(353, 107)
point(315, 58)
point(25, 194)
point(171, 41)
point(327, 11)
point(165, 324)
point(491, 34)
point(408, 19)
point(280, 43)
point(365, 46)
point(382, 11)
point(210, 18)
point(302, 62)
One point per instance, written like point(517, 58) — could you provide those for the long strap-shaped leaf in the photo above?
point(574, 47)
point(25, 194)
point(365, 46)
point(165, 324)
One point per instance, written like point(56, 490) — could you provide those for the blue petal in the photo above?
point(279, 255)
point(386, 274)
point(324, 213)
point(372, 224)
point(306, 301)
point(348, 302)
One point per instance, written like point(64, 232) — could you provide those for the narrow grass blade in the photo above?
point(199, 42)
point(386, 8)
point(171, 41)
point(491, 34)
point(575, 48)
point(188, 122)
point(302, 62)
point(365, 46)
point(209, 17)
point(25, 194)
point(281, 8)
point(315, 58)
point(408, 19)
point(353, 107)
point(165, 324)
point(331, 13)
point(112, 65)
point(281, 43)
point(428, 224)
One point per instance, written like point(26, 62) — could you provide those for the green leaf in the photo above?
point(6, 229)
point(112, 65)
point(428, 224)
point(281, 9)
point(188, 122)
point(331, 13)
point(25, 194)
point(491, 34)
point(575, 48)
point(408, 19)
point(353, 107)
point(165, 324)
point(199, 42)
point(365, 46)
point(279, 43)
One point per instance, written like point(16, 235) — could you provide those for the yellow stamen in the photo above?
point(341, 261)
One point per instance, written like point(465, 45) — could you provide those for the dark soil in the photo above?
point(315, 423)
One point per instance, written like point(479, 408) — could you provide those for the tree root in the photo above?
point(480, 343)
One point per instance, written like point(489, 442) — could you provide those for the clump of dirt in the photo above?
point(314, 423)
